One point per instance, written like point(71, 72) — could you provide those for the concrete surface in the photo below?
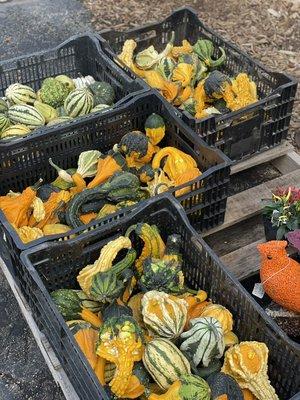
point(28, 26)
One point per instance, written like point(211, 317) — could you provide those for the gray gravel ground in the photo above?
point(28, 26)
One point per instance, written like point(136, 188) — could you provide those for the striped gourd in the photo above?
point(15, 131)
point(4, 122)
point(20, 94)
point(204, 340)
point(165, 315)
point(26, 115)
point(3, 106)
point(59, 120)
point(79, 102)
point(165, 362)
point(100, 108)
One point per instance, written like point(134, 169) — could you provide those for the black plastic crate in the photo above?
point(80, 55)
point(23, 163)
point(238, 134)
point(51, 266)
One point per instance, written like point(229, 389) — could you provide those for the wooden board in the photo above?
point(288, 163)
point(51, 360)
point(263, 157)
point(246, 204)
point(243, 262)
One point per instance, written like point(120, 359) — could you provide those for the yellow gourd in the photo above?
point(247, 363)
point(103, 263)
point(184, 94)
point(183, 74)
point(154, 79)
point(55, 229)
point(169, 90)
point(184, 49)
point(187, 176)
point(55, 201)
point(220, 313)
point(27, 233)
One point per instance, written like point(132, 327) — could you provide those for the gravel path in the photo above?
point(28, 26)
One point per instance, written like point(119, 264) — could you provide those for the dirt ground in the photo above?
point(267, 30)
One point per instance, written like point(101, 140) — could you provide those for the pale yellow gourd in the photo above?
point(103, 263)
point(247, 363)
point(27, 233)
point(39, 211)
point(164, 315)
point(221, 313)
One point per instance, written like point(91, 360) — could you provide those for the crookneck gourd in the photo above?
point(155, 128)
point(120, 342)
point(153, 244)
point(187, 387)
point(103, 263)
point(247, 363)
point(164, 314)
point(204, 340)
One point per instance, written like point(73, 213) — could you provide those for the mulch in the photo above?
point(267, 30)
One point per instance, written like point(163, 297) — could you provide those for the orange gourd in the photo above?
point(195, 311)
point(135, 388)
point(87, 218)
point(100, 370)
point(169, 90)
point(80, 184)
point(16, 208)
point(92, 318)
point(86, 340)
point(248, 395)
point(187, 176)
point(106, 168)
point(55, 201)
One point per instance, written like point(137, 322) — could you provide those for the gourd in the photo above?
point(240, 93)
point(247, 363)
point(137, 148)
point(165, 362)
point(16, 209)
point(4, 123)
point(248, 395)
point(184, 94)
point(159, 184)
point(27, 233)
point(165, 67)
point(213, 367)
point(25, 115)
point(147, 58)
point(204, 340)
point(189, 106)
point(204, 49)
point(165, 276)
point(172, 250)
point(215, 84)
point(59, 120)
point(3, 106)
point(220, 313)
point(164, 314)
point(55, 201)
point(121, 186)
point(104, 91)
point(48, 112)
point(55, 229)
point(79, 102)
point(20, 94)
point(183, 73)
point(221, 383)
point(187, 387)
point(15, 131)
point(44, 191)
point(70, 303)
point(121, 342)
point(53, 92)
point(104, 262)
point(66, 81)
point(170, 90)
point(154, 79)
point(114, 310)
point(86, 340)
point(195, 310)
point(185, 48)
point(100, 107)
point(155, 128)
point(135, 303)
point(185, 177)
point(230, 339)
point(153, 243)
point(107, 166)
point(146, 173)
point(109, 285)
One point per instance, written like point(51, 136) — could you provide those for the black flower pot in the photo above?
point(270, 231)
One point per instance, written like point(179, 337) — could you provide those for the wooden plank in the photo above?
point(246, 204)
point(51, 360)
point(263, 157)
point(244, 261)
point(287, 163)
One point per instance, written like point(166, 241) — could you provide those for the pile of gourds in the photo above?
point(136, 168)
point(147, 335)
point(59, 99)
point(187, 77)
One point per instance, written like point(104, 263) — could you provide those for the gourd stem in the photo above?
point(130, 230)
point(61, 172)
point(37, 184)
point(192, 291)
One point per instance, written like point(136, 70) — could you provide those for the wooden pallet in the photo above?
point(244, 206)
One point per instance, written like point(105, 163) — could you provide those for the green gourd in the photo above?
point(221, 383)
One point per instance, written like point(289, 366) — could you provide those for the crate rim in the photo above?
point(196, 240)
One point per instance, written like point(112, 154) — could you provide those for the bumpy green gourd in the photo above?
point(53, 92)
point(66, 81)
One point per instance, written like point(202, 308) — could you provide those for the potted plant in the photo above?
point(294, 241)
point(281, 214)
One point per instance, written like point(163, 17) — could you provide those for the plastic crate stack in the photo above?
point(53, 262)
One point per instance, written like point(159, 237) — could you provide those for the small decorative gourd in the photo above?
point(221, 384)
point(204, 340)
point(220, 313)
point(164, 314)
point(187, 387)
point(247, 363)
point(165, 362)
